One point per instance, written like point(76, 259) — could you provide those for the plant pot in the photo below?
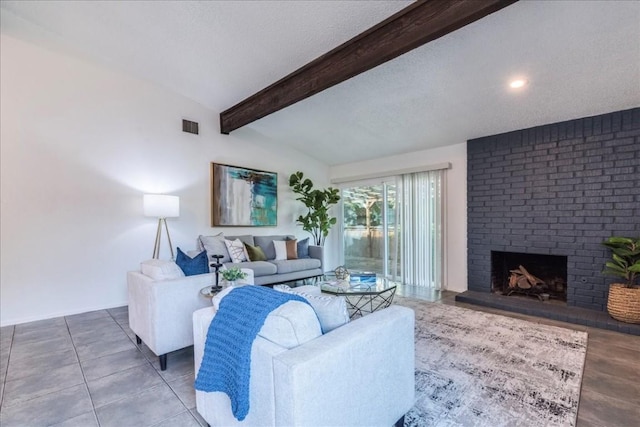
point(624, 303)
point(226, 283)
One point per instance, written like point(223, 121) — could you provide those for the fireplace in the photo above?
point(534, 275)
point(557, 189)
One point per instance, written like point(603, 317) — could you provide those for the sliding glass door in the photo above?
point(395, 227)
point(370, 238)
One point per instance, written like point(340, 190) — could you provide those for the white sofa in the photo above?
point(160, 311)
point(360, 374)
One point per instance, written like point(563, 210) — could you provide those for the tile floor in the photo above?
point(61, 372)
point(86, 370)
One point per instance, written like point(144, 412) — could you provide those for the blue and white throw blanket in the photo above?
point(226, 364)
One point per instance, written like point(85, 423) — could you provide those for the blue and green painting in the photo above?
point(244, 197)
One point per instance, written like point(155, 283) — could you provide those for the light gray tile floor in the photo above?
point(86, 370)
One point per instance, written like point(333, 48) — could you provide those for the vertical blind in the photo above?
point(421, 227)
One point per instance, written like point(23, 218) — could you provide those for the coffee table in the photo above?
point(361, 298)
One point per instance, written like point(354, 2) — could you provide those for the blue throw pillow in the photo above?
point(192, 266)
point(303, 248)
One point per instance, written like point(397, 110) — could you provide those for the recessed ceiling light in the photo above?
point(515, 84)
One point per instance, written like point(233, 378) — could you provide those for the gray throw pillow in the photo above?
point(266, 244)
point(303, 248)
point(214, 245)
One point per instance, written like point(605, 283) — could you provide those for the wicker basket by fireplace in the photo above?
point(624, 303)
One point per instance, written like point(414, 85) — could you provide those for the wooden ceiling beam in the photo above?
point(413, 26)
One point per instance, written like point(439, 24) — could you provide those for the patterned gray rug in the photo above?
point(479, 369)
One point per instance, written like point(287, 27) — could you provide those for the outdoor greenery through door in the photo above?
point(370, 235)
point(394, 227)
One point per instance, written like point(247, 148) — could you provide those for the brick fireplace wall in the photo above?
point(557, 189)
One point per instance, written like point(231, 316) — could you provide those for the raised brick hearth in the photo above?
point(558, 189)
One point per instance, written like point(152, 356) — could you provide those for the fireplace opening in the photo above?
point(531, 275)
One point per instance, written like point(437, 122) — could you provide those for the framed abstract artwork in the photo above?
point(243, 197)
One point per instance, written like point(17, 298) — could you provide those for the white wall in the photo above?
point(80, 144)
point(456, 218)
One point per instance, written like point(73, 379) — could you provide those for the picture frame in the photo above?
point(243, 197)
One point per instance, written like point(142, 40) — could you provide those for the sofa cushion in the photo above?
point(331, 310)
point(236, 250)
point(281, 250)
point(260, 268)
point(290, 325)
point(254, 253)
point(160, 269)
point(214, 245)
point(192, 266)
point(266, 243)
point(292, 249)
point(303, 248)
point(293, 265)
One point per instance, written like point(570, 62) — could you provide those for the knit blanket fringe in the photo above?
point(226, 364)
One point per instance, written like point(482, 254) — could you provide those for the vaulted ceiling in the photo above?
point(579, 58)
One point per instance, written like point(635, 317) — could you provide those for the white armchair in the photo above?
point(360, 374)
point(160, 311)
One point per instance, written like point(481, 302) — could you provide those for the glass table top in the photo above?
point(332, 285)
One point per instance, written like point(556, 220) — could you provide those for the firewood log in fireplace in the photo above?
point(521, 278)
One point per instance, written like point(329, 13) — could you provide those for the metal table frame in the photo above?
point(365, 301)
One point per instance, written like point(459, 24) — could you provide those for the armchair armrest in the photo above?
point(215, 407)
point(160, 310)
point(376, 350)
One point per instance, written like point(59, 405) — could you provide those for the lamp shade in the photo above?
point(161, 206)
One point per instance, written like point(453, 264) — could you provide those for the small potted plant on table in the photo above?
point(624, 298)
point(231, 275)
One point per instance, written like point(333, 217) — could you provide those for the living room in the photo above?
point(84, 136)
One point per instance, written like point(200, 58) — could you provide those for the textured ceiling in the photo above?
point(581, 58)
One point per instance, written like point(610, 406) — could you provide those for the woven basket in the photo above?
point(624, 303)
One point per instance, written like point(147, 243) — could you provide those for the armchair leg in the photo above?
point(400, 422)
point(163, 362)
point(138, 340)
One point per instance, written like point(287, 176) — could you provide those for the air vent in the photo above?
point(189, 126)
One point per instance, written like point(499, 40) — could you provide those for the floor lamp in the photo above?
point(162, 207)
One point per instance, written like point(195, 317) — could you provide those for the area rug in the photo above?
point(480, 369)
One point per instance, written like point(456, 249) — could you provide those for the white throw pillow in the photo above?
point(236, 250)
point(290, 325)
point(281, 249)
point(331, 310)
point(159, 269)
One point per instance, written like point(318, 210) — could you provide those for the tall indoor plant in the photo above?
point(317, 221)
point(624, 298)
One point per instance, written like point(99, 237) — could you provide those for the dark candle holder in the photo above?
point(217, 266)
